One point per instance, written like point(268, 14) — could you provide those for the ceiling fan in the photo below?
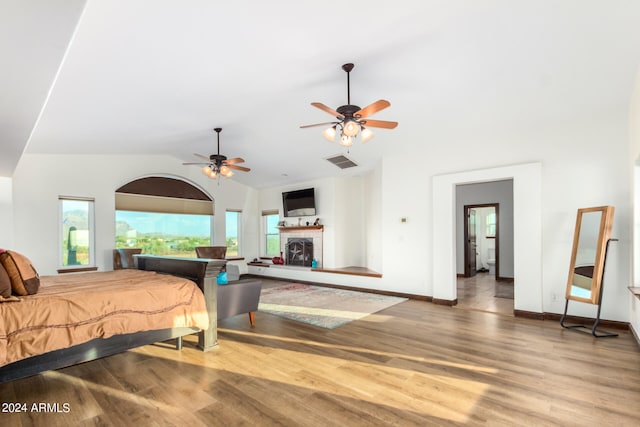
point(352, 119)
point(217, 164)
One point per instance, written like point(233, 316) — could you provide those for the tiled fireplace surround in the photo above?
point(313, 233)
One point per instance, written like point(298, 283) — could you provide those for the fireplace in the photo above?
point(299, 251)
point(311, 250)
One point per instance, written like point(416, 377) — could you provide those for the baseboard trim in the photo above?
point(346, 288)
point(588, 321)
point(446, 302)
point(528, 314)
point(611, 324)
point(635, 334)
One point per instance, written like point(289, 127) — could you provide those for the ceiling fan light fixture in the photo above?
point(351, 128)
point(217, 163)
point(226, 172)
point(330, 133)
point(366, 134)
point(352, 118)
point(346, 141)
point(209, 171)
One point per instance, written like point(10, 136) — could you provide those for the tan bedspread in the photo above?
point(75, 308)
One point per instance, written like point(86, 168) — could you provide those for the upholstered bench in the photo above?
point(239, 296)
point(233, 272)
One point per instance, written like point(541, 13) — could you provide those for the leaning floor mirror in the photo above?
point(586, 271)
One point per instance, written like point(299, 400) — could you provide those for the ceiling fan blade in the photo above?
point(194, 163)
point(239, 168)
point(381, 104)
point(379, 124)
point(201, 156)
point(326, 109)
point(319, 124)
point(234, 160)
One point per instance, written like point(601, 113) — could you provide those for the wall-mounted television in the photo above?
point(299, 202)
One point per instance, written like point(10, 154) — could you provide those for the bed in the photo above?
point(74, 318)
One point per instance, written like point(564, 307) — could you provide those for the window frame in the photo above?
point(91, 234)
point(491, 221)
point(265, 232)
point(238, 212)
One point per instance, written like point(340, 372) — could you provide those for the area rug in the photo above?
point(321, 306)
point(504, 290)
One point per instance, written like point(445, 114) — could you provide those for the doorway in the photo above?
point(479, 288)
point(527, 214)
point(481, 242)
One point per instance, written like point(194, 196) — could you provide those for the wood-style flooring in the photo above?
point(413, 364)
point(479, 293)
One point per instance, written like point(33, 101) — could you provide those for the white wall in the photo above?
point(634, 151)
point(500, 192)
point(6, 213)
point(340, 204)
point(592, 172)
point(373, 223)
point(406, 246)
point(40, 179)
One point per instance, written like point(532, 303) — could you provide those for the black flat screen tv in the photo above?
point(299, 202)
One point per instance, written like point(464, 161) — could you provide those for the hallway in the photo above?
point(483, 293)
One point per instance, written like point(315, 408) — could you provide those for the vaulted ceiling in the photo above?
point(156, 76)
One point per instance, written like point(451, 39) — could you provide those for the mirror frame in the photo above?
point(606, 224)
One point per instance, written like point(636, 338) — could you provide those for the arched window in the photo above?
point(163, 216)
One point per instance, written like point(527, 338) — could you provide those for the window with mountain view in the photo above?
point(163, 233)
point(163, 216)
point(76, 232)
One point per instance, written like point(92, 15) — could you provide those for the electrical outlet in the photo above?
point(554, 297)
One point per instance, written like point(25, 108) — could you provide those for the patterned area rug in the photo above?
point(320, 306)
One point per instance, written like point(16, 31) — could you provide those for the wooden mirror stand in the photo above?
point(591, 241)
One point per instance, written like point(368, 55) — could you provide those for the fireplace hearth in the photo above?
point(299, 251)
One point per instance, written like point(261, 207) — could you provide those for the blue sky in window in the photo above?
point(171, 224)
point(231, 224)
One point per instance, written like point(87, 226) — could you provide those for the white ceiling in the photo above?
point(156, 76)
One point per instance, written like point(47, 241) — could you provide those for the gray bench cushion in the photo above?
point(238, 297)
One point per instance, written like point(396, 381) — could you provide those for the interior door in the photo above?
point(471, 246)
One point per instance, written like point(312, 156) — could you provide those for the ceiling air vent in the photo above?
point(342, 162)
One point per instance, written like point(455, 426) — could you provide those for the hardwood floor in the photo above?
point(479, 293)
point(413, 364)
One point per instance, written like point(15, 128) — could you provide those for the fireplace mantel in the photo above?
point(301, 228)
